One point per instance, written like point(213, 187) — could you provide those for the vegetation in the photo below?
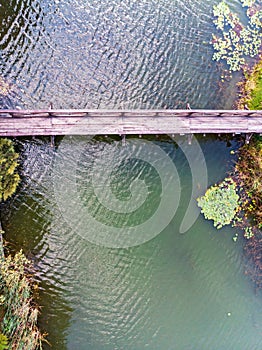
point(19, 323)
point(3, 342)
point(18, 312)
point(249, 176)
point(238, 201)
point(251, 88)
point(237, 41)
point(220, 203)
point(9, 178)
point(248, 172)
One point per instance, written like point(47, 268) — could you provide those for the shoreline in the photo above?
point(250, 88)
point(247, 167)
point(19, 309)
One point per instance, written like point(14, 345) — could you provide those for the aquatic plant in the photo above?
point(237, 41)
point(220, 203)
point(19, 323)
point(238, 199)
point(248, 232)
point(9, 178)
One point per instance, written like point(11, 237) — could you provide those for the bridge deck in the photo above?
point(124, 122)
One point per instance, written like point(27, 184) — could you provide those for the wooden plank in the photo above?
point(93, 122)
point(254, 126)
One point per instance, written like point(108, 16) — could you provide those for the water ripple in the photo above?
point(136, 298)
point(136, 54)
point(116, 54)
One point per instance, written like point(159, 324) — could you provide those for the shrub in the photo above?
point(19, 323)
point(3, 342)
point(9, 179)
point(249, 176)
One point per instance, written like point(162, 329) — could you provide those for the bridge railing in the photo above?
point(16, 113)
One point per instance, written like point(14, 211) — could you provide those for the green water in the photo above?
point(173, 292)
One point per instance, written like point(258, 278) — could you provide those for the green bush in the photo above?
point(220, 203)
point(3, 342)
point(19, 323)
point(9, 179)
point(248, 171)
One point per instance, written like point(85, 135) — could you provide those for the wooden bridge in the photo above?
point(124, 122)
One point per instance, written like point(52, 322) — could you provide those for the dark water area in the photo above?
point(176, 290)
point(120, 54)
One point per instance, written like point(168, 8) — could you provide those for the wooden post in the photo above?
point(52, 136)
point(190, 137)
point(123, 140)
point(248, 138)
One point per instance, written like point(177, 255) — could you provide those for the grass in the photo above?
point(19, 313)
point(249, 165)
point(249, 174)
point(251, 89)
point(248, 171)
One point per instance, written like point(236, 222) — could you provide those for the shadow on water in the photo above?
point(26, 221)
point(20, 30)
point(18, 19)
point(56, 316)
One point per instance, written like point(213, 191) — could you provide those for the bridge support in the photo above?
point(248, 138)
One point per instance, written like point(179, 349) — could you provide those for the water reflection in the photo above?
point(27, 219)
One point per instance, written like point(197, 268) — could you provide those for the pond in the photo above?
point(174, 289)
